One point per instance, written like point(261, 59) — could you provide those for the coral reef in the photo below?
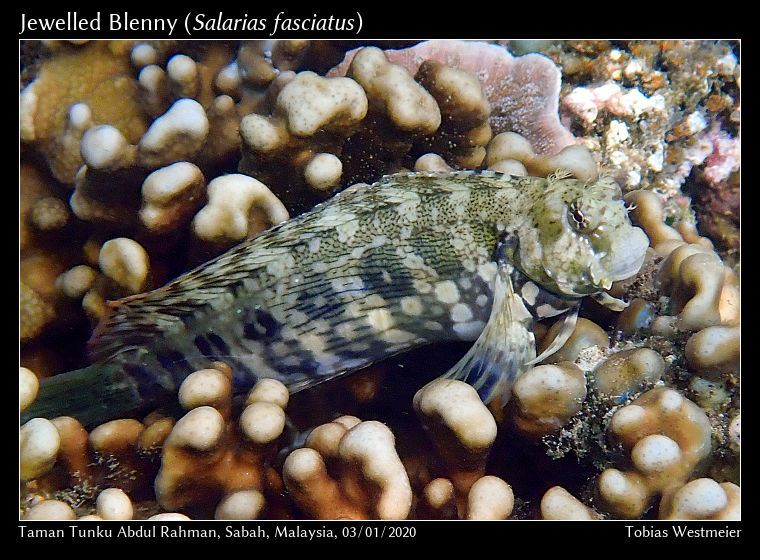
point(523, 91)
point(211, 457)
point(139, 160)
point(662, 115)
point(667, 436)
point(368, 479)
point(79, 87)
point(463, 430)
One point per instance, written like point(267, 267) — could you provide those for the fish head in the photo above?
point(578, 238)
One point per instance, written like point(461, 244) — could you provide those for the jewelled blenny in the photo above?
point(376, 270)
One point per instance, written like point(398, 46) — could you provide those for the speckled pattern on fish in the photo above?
point(372, 272)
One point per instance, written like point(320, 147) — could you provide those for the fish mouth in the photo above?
point(626, 255)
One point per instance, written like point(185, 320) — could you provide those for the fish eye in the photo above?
point(576, 216)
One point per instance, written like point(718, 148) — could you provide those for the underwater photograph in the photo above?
point(379, 280)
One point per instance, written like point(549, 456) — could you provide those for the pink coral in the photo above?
point(523, 91)
point(725, 157)
point(587, 103)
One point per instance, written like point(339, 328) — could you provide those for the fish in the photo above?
point(375, 271)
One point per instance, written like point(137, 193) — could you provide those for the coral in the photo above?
point(308, 103)
point(647, 211)
point(489, 498)
point(557, 503)
point(207, 455)
point(45, 226)
point(695, 278)
point(183, 122)
point(438, 500)
point(437, 97)
point(586, 335)
point(39, 442)
point(207, 387)
point(60, 460)
point(523, 91)
point(511, 146)
point(462, 428)
point(34, 186)
point(73, 89)
point(124, 261)
point(49, 214)
point(113, 504)
point(119, 442)
point(168, 517)
point(250, 66)
point(323, 172)
point(170, 196)
point(714, 350)
point(205, 91)
point(586, 103)
point(704, 498)
point(547, 396)
point(143, 54)
point(182, 72)
point(464, 110)
point(34, 313)
point(667, 437)
point(369, 481)
point(234, 208)
point(651, 122)
point(50, 510)
point(176, 135)
point(28, 384)
point(717, 196)
point(735, 433)
point(431, 162)
point(628, 371)
point(703, 291)
point(242, 504)
point(638, 316)
point(392, 92)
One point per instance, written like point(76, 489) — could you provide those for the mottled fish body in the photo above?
point(374, 271)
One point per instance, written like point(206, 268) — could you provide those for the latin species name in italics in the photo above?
point(191, 23)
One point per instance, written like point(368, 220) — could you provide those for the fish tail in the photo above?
point(92, 395)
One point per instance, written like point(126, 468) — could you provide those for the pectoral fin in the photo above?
point(505, 346)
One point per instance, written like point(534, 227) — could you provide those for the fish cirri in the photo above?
point(413, 259)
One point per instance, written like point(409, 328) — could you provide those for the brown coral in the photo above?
point(667, 436)
point(349, 470)
point(97, 74)
point(547, 396)
point(208, 455)
point(462, 428)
